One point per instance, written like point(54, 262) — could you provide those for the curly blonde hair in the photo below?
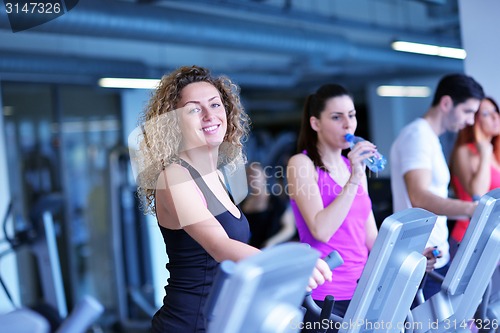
point(161, 134)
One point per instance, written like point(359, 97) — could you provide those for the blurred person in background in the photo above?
point(420, 176)
point(475, 161)
point(270, 219)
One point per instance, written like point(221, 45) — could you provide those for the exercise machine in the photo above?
point(51, 315)
point(390, 279)
point(130, 242)
point(25, 320)
point(264, 292)
point(466, 282)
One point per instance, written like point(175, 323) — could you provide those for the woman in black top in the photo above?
point(192, 129)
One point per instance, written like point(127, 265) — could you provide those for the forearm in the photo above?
point(329, 220)
point(231, 249)
point(442, 206)
point(371, 231)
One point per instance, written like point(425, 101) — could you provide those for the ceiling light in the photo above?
point(403, 91)
point(109, 82)
point(441, 51)
point(8, 110)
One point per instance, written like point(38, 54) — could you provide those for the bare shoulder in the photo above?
point(174, 185)
point(464, 150)
point(176, 173)
point(465, 159)
point(300, 160)
point(300, 166)
point(464, 155)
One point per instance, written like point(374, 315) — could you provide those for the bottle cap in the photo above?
point(349, 137)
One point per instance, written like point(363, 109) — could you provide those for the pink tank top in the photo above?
point(460, 227)
point(348, 240)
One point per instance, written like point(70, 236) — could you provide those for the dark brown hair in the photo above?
point(315, 104)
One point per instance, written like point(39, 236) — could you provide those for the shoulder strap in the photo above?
point(226, 185)
point(213, 204)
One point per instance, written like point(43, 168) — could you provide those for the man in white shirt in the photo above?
point(419, 172)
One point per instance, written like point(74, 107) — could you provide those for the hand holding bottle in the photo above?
point(357, 157)
point(374, 160)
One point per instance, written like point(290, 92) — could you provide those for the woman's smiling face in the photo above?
point(202, 116)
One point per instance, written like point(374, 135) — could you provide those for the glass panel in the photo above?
point(90, 129)
point(33, 160)
point(58, 141)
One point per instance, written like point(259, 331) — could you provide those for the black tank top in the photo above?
point(192, 269)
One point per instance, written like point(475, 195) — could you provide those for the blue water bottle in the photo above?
point(376, 163)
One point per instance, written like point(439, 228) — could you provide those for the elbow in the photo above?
point(217, 257)
point(320, 235)
point(369, 243)
point(318, 229)
point(323, 239)
point(417, 202)
point(216, 252)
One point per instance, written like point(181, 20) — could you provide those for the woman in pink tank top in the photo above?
point(329, 193)
point(475, 160)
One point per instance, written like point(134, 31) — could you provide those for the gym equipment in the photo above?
point(24, 321)
point(452, 309)
point(263, 293)
point(132, 271)
point(390, 279)
point(38, 234)
point(45, 250)
point(392, 274)
point(44, 246)
point(28, 321)
point(324, 314)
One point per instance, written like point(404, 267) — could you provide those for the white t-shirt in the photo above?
point(418, 147)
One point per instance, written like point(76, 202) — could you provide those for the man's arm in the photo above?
point(418, 182)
